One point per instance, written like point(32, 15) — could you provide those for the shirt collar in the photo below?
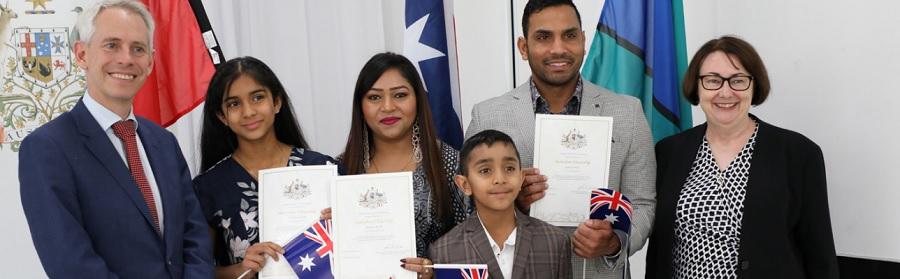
point(510, 240)
point(536, 95)
point(105, 117)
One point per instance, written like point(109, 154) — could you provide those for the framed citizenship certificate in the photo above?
point(373, 225)
point(290, 199)
point(573, 152)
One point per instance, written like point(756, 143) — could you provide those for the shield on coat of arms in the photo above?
point(42, 55)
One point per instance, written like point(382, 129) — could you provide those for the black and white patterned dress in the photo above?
point(708, 215)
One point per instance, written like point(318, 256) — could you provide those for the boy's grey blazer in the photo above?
point(542, 250)
point(632, 162)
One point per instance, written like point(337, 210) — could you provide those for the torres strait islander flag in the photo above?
point(639, 50)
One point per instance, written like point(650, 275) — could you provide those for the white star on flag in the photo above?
point(306, 262)
point(612, 219)
point(415, 50)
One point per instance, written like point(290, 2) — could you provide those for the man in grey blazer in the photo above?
point(554, 47)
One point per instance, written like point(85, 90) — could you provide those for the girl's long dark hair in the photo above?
point(431, 153)
point(217, 140)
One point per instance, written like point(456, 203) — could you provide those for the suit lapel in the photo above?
point(523, 111)
point(476, 237)
point(524, 238)
point(591, 100)
point(96, 140)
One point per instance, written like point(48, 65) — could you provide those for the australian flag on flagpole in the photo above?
point(309, 254)
point(425, 44)
point(460, 271)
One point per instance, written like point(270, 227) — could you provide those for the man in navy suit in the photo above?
point(108, 194)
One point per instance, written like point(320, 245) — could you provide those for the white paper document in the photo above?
point(573, 152)
point(290, 199)
point(373, 225)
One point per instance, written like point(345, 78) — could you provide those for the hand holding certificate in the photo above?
point(373, 225)
point(573, 152)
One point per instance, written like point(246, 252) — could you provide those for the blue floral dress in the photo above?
point(228, 197)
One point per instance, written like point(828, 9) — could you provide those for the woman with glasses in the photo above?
point(738, 197)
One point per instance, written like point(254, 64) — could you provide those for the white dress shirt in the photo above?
point(505, 255)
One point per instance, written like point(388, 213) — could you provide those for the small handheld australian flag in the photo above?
point(460, 271)
point(612, 206)
point(309, 254)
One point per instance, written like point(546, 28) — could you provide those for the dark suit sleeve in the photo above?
point(50, 202)
point(197, 246)
point(814, 235)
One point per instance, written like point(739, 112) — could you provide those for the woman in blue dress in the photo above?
point(248, 125)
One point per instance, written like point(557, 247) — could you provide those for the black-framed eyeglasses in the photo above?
point(737, 83)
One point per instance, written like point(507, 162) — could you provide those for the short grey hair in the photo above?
point(85, 24)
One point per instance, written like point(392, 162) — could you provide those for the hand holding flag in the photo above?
point(610, 205)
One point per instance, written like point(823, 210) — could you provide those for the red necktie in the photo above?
point(125, 131)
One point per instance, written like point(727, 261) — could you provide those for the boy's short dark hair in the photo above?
point(486, 137)
point(535, 6)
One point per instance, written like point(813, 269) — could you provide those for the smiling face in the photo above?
point(554, 46)
point(494, 177)
point(117, 58)
point(724, 107)
point(249, 109)
point(389, 107)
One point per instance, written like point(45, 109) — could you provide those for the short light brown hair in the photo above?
point(734, 48)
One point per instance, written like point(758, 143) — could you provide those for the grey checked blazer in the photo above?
point(542, 250)
point(632, 162)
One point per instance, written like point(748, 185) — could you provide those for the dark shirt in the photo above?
point(573, 106)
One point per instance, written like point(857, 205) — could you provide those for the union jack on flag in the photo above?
point(460, 271)
point(612, 206)
point(310, 252)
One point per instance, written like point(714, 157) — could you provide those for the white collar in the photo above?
point(105, 117)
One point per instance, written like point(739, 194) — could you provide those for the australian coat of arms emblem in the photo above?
point(297, 190)
point(574, 139)
point(39, 78)
point(372, 198)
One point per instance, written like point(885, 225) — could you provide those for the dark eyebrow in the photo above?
point(390, 89)
point(510, 159)
point(482, 161)
point(573, 29)
point(251, 93)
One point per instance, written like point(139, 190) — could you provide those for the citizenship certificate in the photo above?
point(290, 199)
point(573, 152)
point(373, 225)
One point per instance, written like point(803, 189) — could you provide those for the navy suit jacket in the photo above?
point(87, 216)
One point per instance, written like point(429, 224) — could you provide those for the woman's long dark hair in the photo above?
point(217, 140)
point(431, 153)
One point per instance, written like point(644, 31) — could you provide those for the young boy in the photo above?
point(512, 244)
